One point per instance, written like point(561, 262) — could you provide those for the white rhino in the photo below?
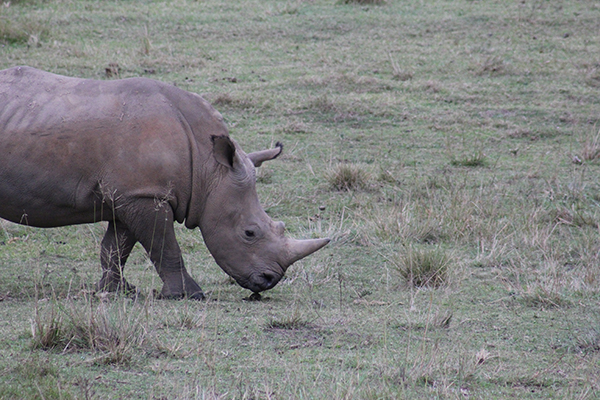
point(139, 154)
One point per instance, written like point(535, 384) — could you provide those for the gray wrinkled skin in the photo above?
point(140, 155)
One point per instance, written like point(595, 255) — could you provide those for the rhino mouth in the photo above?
point(261, 281)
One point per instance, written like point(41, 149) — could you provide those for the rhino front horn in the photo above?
point(302, 248)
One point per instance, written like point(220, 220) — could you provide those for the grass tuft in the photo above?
point(348, 177)
point(287, 322)
point(424, 267)
point(590, 147)
point(473, 160)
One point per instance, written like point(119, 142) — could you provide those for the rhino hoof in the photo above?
point(116, 286)
point(197, 296)
point(180, 296)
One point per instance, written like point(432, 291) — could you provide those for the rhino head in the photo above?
point(244, 241)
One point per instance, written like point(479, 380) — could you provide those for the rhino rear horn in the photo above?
point(299, 249)
point(258, 157)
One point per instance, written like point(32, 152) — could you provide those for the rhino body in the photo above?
point(139, 154)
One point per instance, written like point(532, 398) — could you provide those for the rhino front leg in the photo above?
point(157, 235)
point(116, 246)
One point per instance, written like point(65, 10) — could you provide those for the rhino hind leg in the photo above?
point(116, 246)
point(156, 234)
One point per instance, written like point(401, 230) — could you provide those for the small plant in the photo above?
point(424, 267)
point(347, 177)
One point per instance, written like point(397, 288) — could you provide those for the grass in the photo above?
point(412, 131)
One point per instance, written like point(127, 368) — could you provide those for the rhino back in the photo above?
point(70, 148)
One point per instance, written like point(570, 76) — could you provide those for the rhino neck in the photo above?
point(203, 183)
point(205, 172)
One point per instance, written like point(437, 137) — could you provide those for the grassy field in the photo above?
point(450, 149)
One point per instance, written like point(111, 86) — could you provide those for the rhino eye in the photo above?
point(249, 233)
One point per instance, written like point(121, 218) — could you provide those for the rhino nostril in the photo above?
point(270, 279)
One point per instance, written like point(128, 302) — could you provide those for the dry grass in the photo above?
point(113, 332)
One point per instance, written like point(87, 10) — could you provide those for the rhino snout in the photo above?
point(262, 281)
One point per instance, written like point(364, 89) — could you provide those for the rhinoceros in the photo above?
point(138, 154)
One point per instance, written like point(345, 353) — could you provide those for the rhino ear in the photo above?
point(223, 150)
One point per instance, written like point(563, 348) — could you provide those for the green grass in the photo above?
point(464, 127)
